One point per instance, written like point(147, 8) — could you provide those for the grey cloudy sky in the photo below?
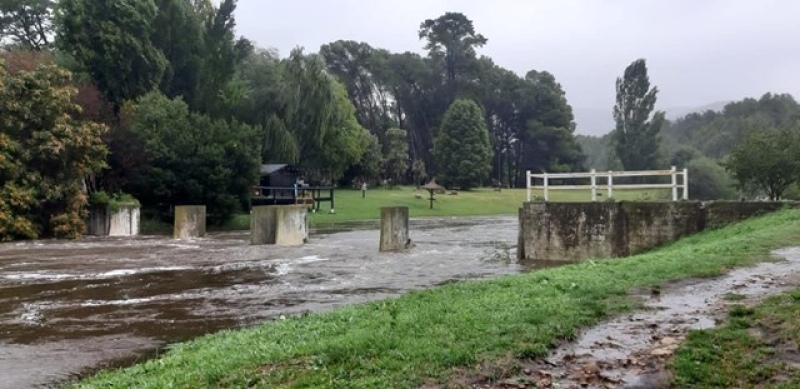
point(698, 51)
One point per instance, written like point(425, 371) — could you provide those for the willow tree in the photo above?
point(316, 125)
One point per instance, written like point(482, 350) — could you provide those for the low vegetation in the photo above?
point(427, 336)
point(112, 201)
point(756, 348)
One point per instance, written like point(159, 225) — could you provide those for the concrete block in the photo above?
point(190, 221)
point(123, 221)
point(568, 232)
point(279, 224)
point(394, 229)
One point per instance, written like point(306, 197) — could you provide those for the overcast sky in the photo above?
point(698, 51)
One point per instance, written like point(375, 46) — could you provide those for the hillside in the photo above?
point(600, 121)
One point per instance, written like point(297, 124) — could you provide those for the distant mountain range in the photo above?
point(599, 121)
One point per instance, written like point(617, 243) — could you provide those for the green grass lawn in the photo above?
point(428, 336)
point(756, 348)
point(350, 206)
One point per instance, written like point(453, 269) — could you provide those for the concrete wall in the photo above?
point(720, 213)
point(577, 231)
point(190, 221)
point(120, 222)
point(279, 224)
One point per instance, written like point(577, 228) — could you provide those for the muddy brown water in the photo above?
point(69, 308)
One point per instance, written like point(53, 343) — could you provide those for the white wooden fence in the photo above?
point(609, 176)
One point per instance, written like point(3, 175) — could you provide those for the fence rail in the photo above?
point(609, 178)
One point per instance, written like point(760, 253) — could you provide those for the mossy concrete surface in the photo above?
point(576, 231)
point(190, 221)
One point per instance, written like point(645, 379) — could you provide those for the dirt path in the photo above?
point(630, 351)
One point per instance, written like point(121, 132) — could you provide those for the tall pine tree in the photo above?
point(635, 137)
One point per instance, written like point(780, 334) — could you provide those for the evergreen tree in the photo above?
point(461, 148)
point(112, 40)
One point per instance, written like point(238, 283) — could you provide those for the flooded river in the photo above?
point(67, 308)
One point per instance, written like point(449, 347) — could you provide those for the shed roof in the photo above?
point(272, 168)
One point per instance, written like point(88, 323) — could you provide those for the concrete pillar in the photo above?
point(394, 229)
point(262, 224)
point(190, 221)
point(279, 224)
point(125, 221)
point(98, 221)
point(121, 221)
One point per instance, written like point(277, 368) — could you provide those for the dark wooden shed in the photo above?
point(282, 184)
point(279, 175)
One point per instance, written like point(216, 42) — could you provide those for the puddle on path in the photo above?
point(69, 307)
point(630, 351)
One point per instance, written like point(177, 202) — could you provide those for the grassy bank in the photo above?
point(350, 206)
point(756, 348)
point(426, 336)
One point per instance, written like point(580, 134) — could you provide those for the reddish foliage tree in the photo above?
point(24, 60)
point(94, 107)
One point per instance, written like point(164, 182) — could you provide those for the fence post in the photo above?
point(610, 183)
point(546, 188)
point(674, 176)
point(528, 180)
point(686, 184)
point(594, 185)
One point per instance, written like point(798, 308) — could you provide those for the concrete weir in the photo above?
point(279, 225)
point(394, 229)
point(576, 231)
point(122, 221)
point(190, 221)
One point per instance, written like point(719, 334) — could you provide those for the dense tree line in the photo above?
point(755, 139)
point(185, 110)
point(529, 122)
point(162, 100)
point(748, 149)
point(716, 133)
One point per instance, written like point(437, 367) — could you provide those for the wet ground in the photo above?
point(630, 351)
point(67, 308)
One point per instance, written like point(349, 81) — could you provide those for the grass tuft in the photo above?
point(756, 348)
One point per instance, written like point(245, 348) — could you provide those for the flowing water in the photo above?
point(67, 308)
point(630, 351)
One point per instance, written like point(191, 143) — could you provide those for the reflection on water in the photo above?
point(66, 307)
